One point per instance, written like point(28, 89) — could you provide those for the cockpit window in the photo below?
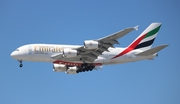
point(17, 49)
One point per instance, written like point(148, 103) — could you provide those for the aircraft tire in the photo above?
point(21, 65)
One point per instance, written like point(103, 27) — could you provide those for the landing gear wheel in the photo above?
point(84, 65)
point(21, 65)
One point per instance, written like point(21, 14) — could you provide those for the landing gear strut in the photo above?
point(20, 65)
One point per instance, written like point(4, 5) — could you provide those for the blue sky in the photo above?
point(72, 22)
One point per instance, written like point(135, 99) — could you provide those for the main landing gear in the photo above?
point(85, 67)
point(20, 65)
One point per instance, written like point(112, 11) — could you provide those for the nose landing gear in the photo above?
point(20, 65)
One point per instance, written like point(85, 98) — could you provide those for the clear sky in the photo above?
point(72, 22)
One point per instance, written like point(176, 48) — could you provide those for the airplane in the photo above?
point(73, 59)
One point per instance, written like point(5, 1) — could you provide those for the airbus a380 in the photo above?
point(73, 59)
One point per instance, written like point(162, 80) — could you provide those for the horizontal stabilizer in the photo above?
point(152, 51)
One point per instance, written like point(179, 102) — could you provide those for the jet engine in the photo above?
point(91, 44)
point(59, 67)
point(72, 70)
point(69, 53)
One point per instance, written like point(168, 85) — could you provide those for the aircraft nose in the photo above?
point(14, 54)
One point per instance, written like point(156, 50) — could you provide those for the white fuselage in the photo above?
point(73, 59)
point(44, 53)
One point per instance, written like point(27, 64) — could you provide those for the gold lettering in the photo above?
point(59, 49)
point(53, 49)
point(43, 48)
point(35, 48)
point(40, 48)
point(48, 49)
point(56, 49)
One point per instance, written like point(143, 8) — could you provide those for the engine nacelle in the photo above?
point(59, 67)
point(72, 70)
point(69, 53)
point(91, 44)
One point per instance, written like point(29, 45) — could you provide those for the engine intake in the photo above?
point(91, 44)
point(72, 70)
point(69, 53)
point(59, 67)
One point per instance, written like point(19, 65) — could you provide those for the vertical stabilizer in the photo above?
point(145, 40)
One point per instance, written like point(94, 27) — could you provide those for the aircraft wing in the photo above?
point(112, 39)
point(104, 43)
